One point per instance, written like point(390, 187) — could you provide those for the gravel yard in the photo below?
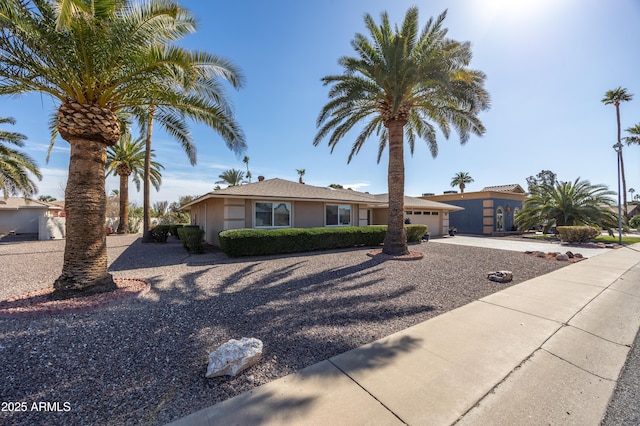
point(143, 361)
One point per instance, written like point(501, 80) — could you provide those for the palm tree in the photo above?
point(46, 198)
point(98, 59)
point(127, 159)
point(631, 191)
point(403, 82)
point(635, 135)
point(15, 166)
point(568, 204)
point(245, 160)
point(232, 177)
point(461, 179)
point(301, 173)
point(614, 97)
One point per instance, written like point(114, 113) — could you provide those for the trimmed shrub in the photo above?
point(257, 242)
point(191, 238)
point(173, 229)
point(415, 232)
point(160, 233)
point(634, 222)
point(577, 234)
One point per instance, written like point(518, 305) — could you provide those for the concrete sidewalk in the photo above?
point(545, 351)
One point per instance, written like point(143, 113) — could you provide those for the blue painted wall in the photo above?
point(470, 220)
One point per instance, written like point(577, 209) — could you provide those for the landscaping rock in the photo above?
point(500, 276)
point(578, 256)
point(561, 256)
point(540, 254)
point(234, 357)
point(570, 254)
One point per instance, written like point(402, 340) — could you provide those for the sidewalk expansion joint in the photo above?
point(577, 366)
point(369, 393)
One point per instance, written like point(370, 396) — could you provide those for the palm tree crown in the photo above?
point(15, 166)
point(232, 177)
point(634, 133)
point(461, 179)
point(403, 82)
point(568, 204)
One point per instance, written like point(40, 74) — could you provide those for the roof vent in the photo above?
point(450, 192)
point(260, 178)
point(427, 194)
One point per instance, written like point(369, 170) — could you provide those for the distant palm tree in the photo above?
point(245, 160)
point(568, 204)
point(301, 173)
point(461, 179)
point(631, 191)
point(336, 186)
point(161, 208)
point(15, 166)
point(615, 97)
point(127, 159)
point(635, 135)
point(46, 198)
point(404, 82)
point(232, 177)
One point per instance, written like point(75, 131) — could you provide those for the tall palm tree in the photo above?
point(15, 166)
point(127, 159)
point(98, 59)
point(232, 177)
point(568, 204)
point(245, 160)
point(403, 82)
point(301, 173)
point(461, 179)
point(615, 97)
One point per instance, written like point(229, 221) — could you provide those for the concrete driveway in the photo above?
point(522, 244)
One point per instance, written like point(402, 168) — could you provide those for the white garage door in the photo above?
point(426, 217)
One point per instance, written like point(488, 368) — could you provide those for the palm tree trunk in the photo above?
point(85, 257)
point(395, 242)
point(624, 180)
point(146, 226)
point(123, 226)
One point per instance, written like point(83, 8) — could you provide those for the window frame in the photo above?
point(274, 204)
point(339, 206)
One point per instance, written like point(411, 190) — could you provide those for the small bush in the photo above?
point(634, 222)
point(257, 242)
point(577, 234)
point(160, 233)
point(191, 238)
point(173, 229)
point(415, 232)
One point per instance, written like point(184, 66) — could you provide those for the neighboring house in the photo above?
point(22, 215)
point(490, 211)
point(279, 203)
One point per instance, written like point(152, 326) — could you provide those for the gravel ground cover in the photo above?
point(143, 361)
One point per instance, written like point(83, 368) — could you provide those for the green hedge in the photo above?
point(191, 238)
point(160, 233)
point(256, 242)
point(577, 234)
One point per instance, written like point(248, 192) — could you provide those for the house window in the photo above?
point(435, 213)
point(499, 219)
point(271, 215)
point(337, 215)
point(417, 212)
point(408, 212)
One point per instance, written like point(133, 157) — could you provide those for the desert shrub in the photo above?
point(256, 242)
point(160, 233)
point(634, 222)
point(173, 229)
point(191, 237)
point(577, 234)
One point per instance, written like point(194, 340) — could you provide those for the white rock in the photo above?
point(234, 356)
point(500, 276)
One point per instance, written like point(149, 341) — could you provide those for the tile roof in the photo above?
point(287, 190)
point(514, 187)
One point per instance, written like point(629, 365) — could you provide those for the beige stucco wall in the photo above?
point(308, 214)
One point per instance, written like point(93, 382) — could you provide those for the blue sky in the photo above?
point(548, 65)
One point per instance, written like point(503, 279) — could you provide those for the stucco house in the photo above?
point(20, 215)
point(490, 211)
point(279, 203)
